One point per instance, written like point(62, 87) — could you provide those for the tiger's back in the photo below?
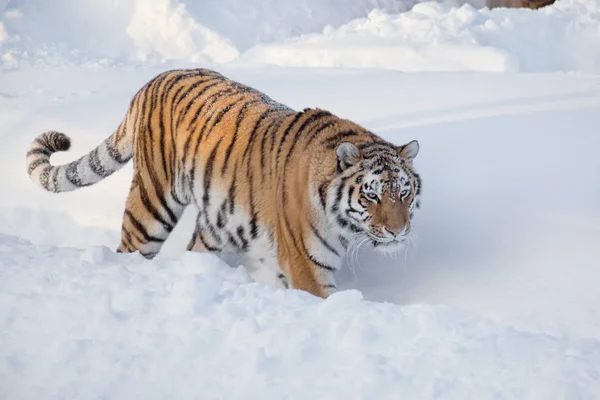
point(263, 176)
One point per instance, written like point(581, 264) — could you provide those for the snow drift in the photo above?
point(448, 36)
point(62, 31)
point(117, 326)
point(442, 37)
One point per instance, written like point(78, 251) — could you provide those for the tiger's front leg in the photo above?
point(305, 273)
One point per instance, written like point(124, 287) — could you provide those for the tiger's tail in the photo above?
point(110, 156)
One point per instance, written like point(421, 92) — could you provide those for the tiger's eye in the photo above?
point(359, 179)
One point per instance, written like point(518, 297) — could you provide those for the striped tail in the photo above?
point(111, 155)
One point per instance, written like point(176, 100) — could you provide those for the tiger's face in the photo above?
point(376, 193)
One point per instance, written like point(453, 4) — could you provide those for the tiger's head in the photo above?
point(375, 192)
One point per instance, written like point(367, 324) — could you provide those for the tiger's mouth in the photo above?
point(379, 240)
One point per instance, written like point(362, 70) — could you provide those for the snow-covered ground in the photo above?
point(497, 299)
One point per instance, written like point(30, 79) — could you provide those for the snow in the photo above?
point(453, 35)
point(163, 30)
point(443, 37)
point(497, 299)
point(118, 326)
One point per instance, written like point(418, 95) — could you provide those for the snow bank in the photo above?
point(95, 324)
point(65, 32)
point(165, 29)
point(442, 37)
point(448, 36)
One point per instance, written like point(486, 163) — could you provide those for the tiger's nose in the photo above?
point(396, 231)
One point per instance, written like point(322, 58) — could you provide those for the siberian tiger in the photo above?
point(290, 189)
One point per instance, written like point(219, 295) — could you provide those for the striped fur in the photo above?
point(290, 189)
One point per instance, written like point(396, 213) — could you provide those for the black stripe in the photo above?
point(203, 241)
point(160, 195)
point(240, 233)
point(55, 185)
point(339, 193)
point(271, 131)
point(380, 150)
point(152, 210)
point(329, 286)
point(45, 176)
point(46, 152)
point(221, 216)
point(96, 165)
point(315, 117)
point(262, 117)
point(210, 100)
point(250, 176)
point(262, 145)
point(42, 141)
point(73, 175)
point(238, 122)
point(313, 259)
point(140, 228)
point(34, 164)
point(125, 240)
point(163, 103)
point(185, 111)
point(176, 77)
point(286, 133)
point(232, 240)
point(208, 169)
point(232, 188)
point(320, 264)
point(323, 195)
point(211, 229)
point(198, 141)
point(289, 129)
point(323, 241)
point(254, 217)
point(343, 223)
point(333, 142)
point(114, 153)
point(190, 89)
point(222, 113)
point(366, 145)
point(173, 136)
point(316, 133)
point(158, 81)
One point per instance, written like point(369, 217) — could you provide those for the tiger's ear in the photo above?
point(409, 150)
point(347, 155)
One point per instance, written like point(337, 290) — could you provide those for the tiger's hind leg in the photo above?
point(148, 220)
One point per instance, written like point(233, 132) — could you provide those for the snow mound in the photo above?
point(448, 36)
point(443, 37)
point(61, 32)
point(167, 30)
point(93, 323)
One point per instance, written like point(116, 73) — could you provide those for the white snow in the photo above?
point(62, 32)
point(119, 327)
point(447, 36)
point(442, 37)
point(497, 299)
point(171, 32)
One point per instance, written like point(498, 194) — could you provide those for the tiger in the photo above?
point(291, 190)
